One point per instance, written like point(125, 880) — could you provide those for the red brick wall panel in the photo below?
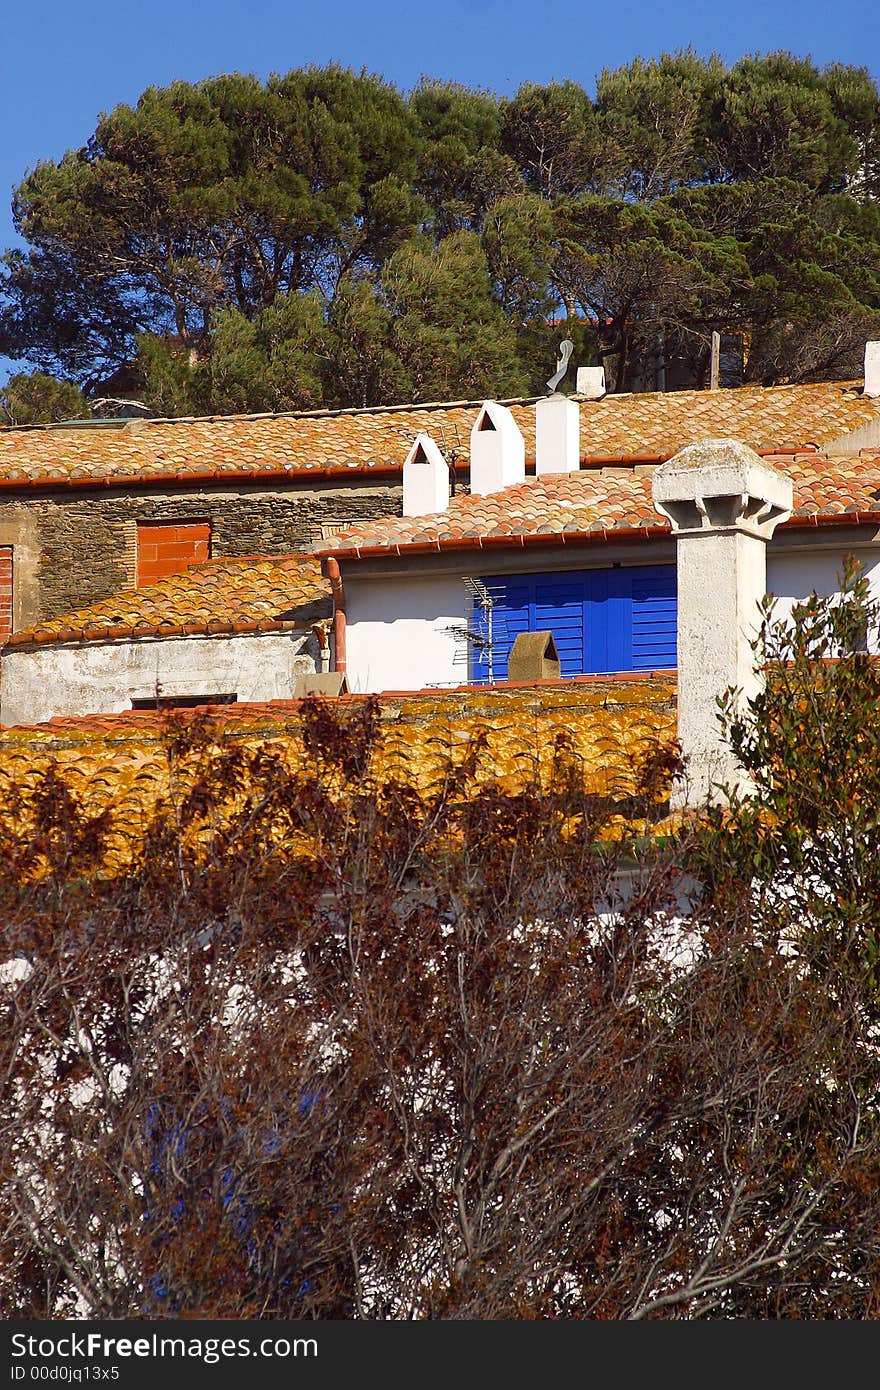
point(170, 547)
point(5, 591)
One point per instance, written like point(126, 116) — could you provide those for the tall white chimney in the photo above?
point(724, 503)
point(425, 479)
point(498, 451)
point(557, 435)
point(872, 368)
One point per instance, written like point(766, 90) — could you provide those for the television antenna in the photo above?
point(480, 635)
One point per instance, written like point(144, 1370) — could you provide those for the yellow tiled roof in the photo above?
point(246, 594)
point(119, 762)
point(615, 499)
point(654, 424)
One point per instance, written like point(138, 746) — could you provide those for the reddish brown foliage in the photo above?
point(337, 1049)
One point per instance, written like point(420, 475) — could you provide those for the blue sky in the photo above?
point(61, 64)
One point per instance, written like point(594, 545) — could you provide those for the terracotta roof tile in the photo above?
point(118, 761)
point(547, 506)
point(246, 594)
point(648, 424)
point(607, 501)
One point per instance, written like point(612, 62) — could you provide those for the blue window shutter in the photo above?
point(500, 625)
point(654, 618)
point(618, 622)
point(559, 606)
point(618, 619)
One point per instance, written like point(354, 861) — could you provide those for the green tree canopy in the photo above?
point(450, 333)
point(652, 115)
point(777, 116)
point(33, 398)
point(197, 228)
point(224, 194)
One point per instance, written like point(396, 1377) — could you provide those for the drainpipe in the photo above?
point(321, 633)
point(331, 569)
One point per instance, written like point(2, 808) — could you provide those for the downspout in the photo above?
point(321, 633)
point(331, 570)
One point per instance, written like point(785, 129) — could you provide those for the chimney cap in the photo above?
point(425, 450)
point(724, 483)
point(492, 416)
point(533, 656)
point(498, 450)
point(426, 478)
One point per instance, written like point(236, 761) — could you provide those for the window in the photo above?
point(182, 701)
point(602, 620)
point(5, 592)
point(170, 547)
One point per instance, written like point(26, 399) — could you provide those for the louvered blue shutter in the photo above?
point(654, 618)
point(498, 625)
point(602, 620)
point(558, 605)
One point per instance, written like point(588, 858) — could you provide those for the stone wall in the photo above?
point(73, 548)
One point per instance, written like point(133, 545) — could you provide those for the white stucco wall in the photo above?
point(397, 630)
point(793, 575)
point(397, 635)
point(104, 677)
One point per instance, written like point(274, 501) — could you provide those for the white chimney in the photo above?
point(425, 479)
point(498, 451)
point(590, 382)
point(557, 435)
point(872, 368)
point(724, 503)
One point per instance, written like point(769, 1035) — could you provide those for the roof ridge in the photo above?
point(141, 424)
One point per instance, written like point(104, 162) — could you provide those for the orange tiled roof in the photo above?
point(246, 594)
point(827, 487)
point(596, 503)
point(610, 499)
point(656, 424)
point(118, 762)
point(766, 418)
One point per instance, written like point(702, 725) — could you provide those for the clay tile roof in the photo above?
point(118, 762)
point(604, 502)
point(230, 595)
point(828, 487)
point(648, 424)
point(550, 506)
point(774, 417)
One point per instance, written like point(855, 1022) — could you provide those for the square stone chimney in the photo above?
point(724, 503)
point(498, 451)
point(425, 478)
